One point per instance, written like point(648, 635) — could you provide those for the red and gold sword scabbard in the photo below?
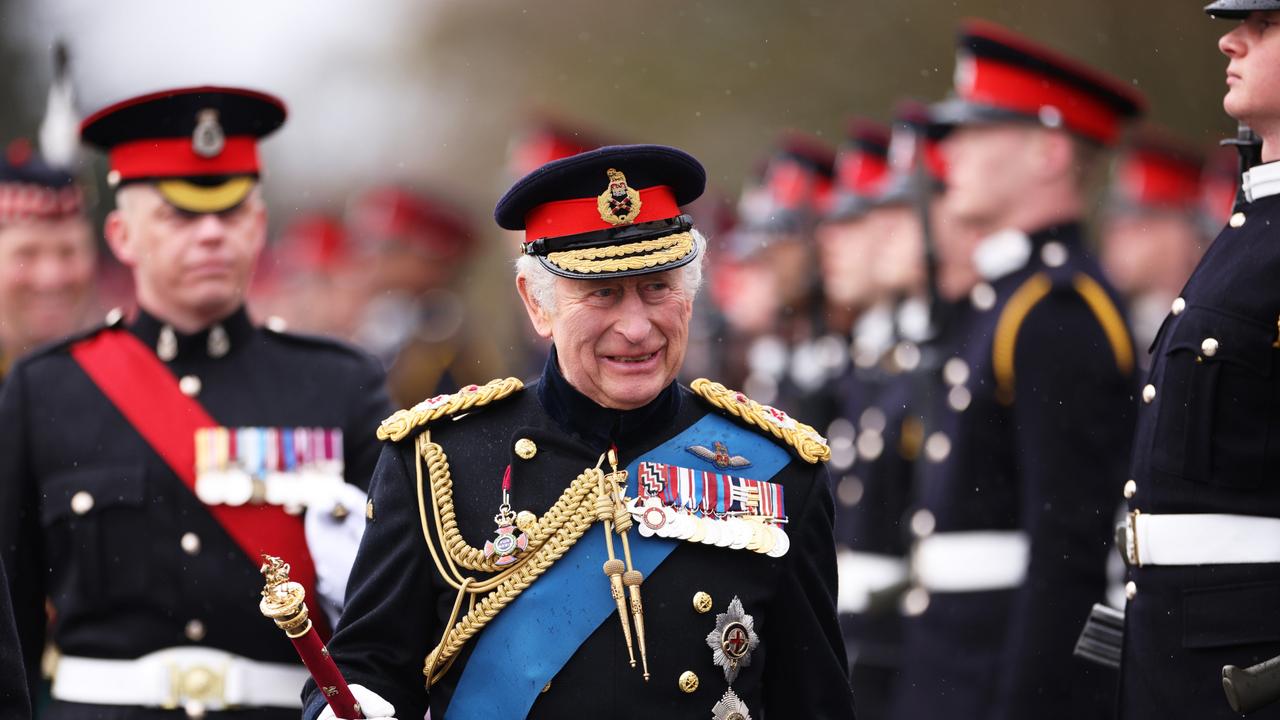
point(284, 601)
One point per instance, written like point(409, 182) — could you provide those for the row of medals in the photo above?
point(750, 532)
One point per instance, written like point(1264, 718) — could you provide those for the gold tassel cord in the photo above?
point(613, 567)
point(631, 578)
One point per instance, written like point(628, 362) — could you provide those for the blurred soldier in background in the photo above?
point(1016, 483)
point(310, 278)
point(15, 699)
point(1151, 233)
point(415, 248)
point(791, 359)
point(1201, 536)
point(47, 254)
point(147, 462)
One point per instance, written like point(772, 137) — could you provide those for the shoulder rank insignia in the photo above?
point(719, 455)
point(808, 444)
point(402, 422)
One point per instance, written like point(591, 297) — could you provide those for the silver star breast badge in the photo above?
point(733, 640)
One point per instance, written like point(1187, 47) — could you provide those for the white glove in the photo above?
point(333, 541)
point(372, 706)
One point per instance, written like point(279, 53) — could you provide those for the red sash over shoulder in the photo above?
point(147, 394)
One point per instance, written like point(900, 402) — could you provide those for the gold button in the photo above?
point(81, 502)
point(688, 681)
point(701, 602)
point(1237, 220)
point(194, 630)
point(1130, 589)
point(1130, 489)
point(1209, 347)
point(1148, 393)
point(526, 449)
point(526, 521)
point(189, 385)
point(368, 509)
point(190, 543)
point(1178, 306)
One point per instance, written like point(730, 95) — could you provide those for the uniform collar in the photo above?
point(1008, 251)
point(599, 426)
point(1261, 181)
point(214, 341)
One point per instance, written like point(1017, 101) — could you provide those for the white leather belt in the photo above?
point(180, 678)
point(862, 574)
point(971, 561)
point(1200, 539)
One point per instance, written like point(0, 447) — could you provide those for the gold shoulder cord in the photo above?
point(550, 538)
point(808, 444)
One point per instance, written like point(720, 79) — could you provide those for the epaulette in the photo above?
point(402, 422)
point(1024, 300)
point(807, 443)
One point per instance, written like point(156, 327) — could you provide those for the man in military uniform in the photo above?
point(708, 602)
point(146, 464)
point(47, 254)
point(1204, 566)
point(1015, 485)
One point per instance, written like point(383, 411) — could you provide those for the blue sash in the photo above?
point(517, 653)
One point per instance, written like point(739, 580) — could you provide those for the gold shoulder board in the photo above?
point(402, 422)
point(808, 444)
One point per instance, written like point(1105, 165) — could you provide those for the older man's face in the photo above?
point(620, 340)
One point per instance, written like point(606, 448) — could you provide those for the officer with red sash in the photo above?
point(146, 464)
point(606, 542)
point(1204, 505)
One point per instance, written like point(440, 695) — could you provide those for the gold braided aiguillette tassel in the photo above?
point(617, 481)
point(613, 567)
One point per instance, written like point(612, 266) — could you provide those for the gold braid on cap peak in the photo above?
point(808, 444)
point(628, 256)
point(402, 422)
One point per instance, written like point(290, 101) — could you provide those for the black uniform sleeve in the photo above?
point(20, 537)
point(15, 700)
point(807, 675)
point(1073, 420)
point(388, 624)
point(369, 405)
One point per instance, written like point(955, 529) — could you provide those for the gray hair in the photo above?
point(541, 282)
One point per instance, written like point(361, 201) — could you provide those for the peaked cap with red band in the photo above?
point(1239, 9)
point(199, 145)
point(544, 141)
point(609, 212)
point(1156, 173)
point(914, 132)
point(1001, 76)
point(861, 165)
point(30, 189)
point(389, 215)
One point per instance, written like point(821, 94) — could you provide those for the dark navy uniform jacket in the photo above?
point(118, 576)
point(1038, 446)
point(397, 604)
point(1209, 442)
point(15, 701)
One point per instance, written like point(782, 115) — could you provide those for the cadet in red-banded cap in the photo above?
point(1151, 235)
point(415, 248)
point(163, 451)
point(47, 254)
point(1026, 431)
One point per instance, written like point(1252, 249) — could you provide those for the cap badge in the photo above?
point(208, 139)
point(619, 204)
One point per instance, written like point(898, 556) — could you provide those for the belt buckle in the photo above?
point(1131, 539)
point(196, 689)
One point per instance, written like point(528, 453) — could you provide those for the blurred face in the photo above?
point(1253, 51)
point(46, 272)
point(988, 167)
point(749, 297)
point(787, 257)
point(620, 340)
point(955, 242)
point(899, 263)
point(189, 269)
point(845, 251)
point(1149, 252)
